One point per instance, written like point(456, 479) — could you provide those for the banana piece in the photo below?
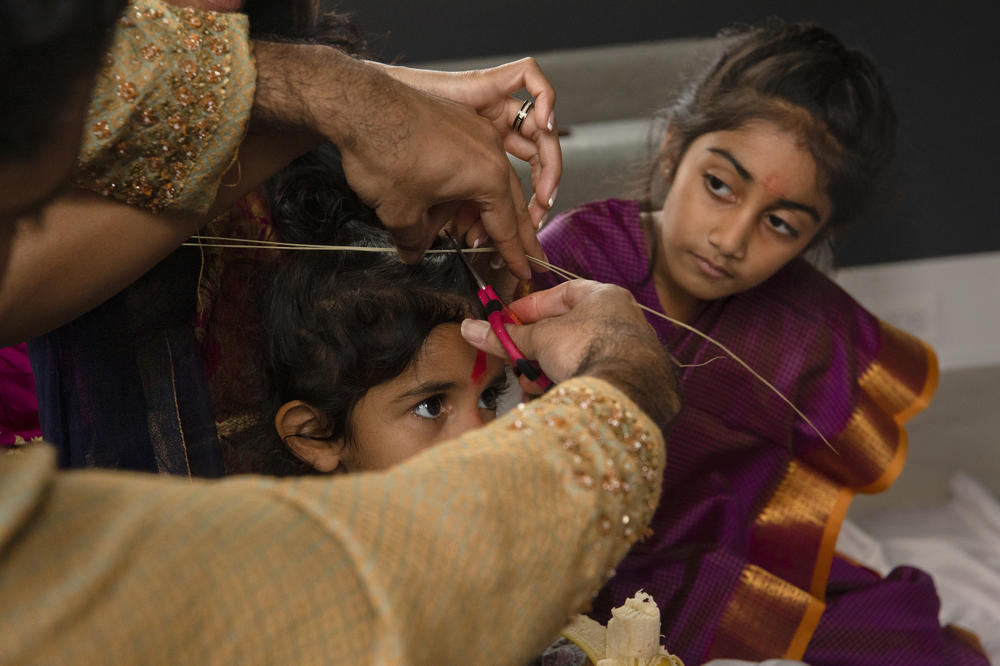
point(634, 629)
point(659, 660)
point(589, 635)
point(632, 637)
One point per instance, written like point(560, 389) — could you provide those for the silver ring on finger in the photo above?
point(521, 115)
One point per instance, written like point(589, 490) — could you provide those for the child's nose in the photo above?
point(730, 234)
point(465, 420)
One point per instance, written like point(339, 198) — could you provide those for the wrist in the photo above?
point(633, 361)
point(428, 80)
point(315, 89)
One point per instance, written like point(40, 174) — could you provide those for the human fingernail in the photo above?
point(475, 244)
point(541, 222)
point(552, 120)
point(475, 330)
point(552, 199)
point(496, 262)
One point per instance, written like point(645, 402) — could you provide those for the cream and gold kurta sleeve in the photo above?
point(475, 552)
point(170, 107)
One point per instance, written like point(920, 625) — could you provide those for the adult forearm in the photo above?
point(404, 151)
point(85, 248)
point(476, 551)
point(629, 358)
point(315, 88)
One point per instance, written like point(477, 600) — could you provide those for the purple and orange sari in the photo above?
point(741, 559)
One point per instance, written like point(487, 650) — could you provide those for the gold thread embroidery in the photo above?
point(165, 63)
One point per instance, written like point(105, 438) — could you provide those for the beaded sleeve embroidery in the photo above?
point(476, 551)
point(170, 107)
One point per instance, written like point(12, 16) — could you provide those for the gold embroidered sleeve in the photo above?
point(508, 531)
point(169, 108)
point(474, 552)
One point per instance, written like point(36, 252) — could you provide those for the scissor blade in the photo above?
point(458, 249)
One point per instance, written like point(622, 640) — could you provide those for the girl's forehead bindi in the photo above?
point(772, 185)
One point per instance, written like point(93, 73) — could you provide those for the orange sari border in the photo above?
point(805, 630)
point(759, 592)
point(902, 385)
point(824, 559)
point(806, 500)
point(923, 398)
point(877, 381)
point(967, 637)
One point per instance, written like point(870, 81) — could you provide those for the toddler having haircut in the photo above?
point(364, 364)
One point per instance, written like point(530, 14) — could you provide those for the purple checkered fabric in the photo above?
point(732, 447)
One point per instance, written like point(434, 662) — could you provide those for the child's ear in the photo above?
point(670, 150)
point(305, 431)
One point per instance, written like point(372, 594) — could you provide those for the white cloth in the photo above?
point(957, 543)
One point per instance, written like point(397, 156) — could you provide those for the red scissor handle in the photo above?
point(498, 314)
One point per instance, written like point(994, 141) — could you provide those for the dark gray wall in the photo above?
point(942, 62)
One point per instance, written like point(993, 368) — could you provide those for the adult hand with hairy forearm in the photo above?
point(62, 273)
point(414, 157)
point(586, 328)
point(489, 92)
point(83, 248)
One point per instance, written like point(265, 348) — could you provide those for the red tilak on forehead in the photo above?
point(479, 368)
point(772, 185)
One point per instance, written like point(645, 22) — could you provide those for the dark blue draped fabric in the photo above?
point(124, 386)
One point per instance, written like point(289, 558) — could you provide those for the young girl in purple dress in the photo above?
point(786, 138)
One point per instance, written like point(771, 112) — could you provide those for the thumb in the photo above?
point(480, 335)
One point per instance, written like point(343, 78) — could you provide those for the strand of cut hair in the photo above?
point(243, 243)
point(224, 242)
point(568, 275)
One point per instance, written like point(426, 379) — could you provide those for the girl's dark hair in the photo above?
point(305, 21)
point(803, 78)
point(337, 323)
point(46, 48)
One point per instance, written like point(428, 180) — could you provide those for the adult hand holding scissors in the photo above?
point(415, 157)
point(528, 128)
point(588, 328)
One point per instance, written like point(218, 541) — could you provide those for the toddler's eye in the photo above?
point(488, 398)
point(430, 408)
point(717, 186)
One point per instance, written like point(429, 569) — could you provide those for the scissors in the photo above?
point(498, 314)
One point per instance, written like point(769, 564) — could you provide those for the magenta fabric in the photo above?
point(894, 618)
point(732, 441)
point(18, 403)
